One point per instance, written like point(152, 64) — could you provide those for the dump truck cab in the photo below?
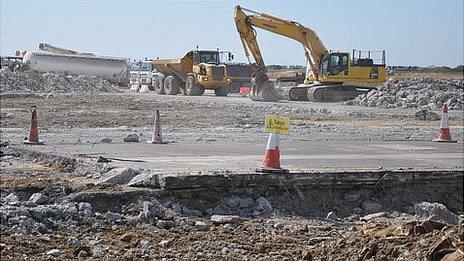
point(191, 74)
point(209, 71)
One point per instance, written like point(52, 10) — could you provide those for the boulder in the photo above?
point(264, 205)
point(435, 211)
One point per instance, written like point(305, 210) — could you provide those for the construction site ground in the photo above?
point(221, 137)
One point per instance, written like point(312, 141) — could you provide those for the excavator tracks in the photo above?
point(334, 93)
point(323, 93)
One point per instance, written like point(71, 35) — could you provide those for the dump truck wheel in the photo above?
point(223, 91)
point(171, 86)
point(158, 85)
point(191, 88)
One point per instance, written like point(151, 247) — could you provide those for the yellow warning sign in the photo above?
point(276, 124)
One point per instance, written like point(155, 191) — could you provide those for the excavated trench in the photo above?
point(302, 194)
point(311, 194)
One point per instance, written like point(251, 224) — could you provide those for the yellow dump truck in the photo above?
point(196, 71)
point(240, 75)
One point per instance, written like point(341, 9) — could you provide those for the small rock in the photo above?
point(332, 216)
point(98, 251)
point(54, 252)
point(423, 243)
point(316, 240)
point(38, 198)
point(146, 210)
point(127, 237)
point(106, 140)
point(232, 201)
point(264, 205)
point(73, 241)
point(165, 224)
point(145, 244)
point(374, 216)
point(112, 216)
point(225, 219)
point(201, 226)
point(82, 254)
point(133, 137)
point(164, 243)
point(11, 199)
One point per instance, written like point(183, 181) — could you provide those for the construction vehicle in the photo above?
point(61, 60)
point(191, 74)
point(330, 76)
point(239, 74)
point(142, 73)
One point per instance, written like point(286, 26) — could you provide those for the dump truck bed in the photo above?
point(179, 67)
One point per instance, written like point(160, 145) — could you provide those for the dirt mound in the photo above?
point(33, 82)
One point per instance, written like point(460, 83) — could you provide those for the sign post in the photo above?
point(274, 125)
point(277, 124)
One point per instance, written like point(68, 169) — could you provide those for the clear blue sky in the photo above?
point(422, 32)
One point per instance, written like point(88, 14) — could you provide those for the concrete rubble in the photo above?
point(35, 82)
point(423, 93)
point(113, 220)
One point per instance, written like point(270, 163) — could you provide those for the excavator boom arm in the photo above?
point(314, 48)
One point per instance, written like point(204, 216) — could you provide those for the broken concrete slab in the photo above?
point(435, 211)
point(118, 176)
point(145, 180)
point(38, 198)
point(225, 219)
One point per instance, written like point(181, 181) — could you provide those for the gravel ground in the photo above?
point(59, 224)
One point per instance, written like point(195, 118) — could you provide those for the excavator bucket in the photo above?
point(262, 89)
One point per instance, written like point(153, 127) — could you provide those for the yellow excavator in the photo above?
point(330, 76)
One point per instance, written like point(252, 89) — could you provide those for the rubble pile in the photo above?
point(424, 93)
point(32, 82)
point(166, 228)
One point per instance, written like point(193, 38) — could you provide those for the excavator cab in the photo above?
point(334, 64)
point(341, 67)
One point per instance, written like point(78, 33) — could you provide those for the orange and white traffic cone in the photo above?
point(157, 138)
point(444, 132)
point(33, 138)
point(271, 162)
